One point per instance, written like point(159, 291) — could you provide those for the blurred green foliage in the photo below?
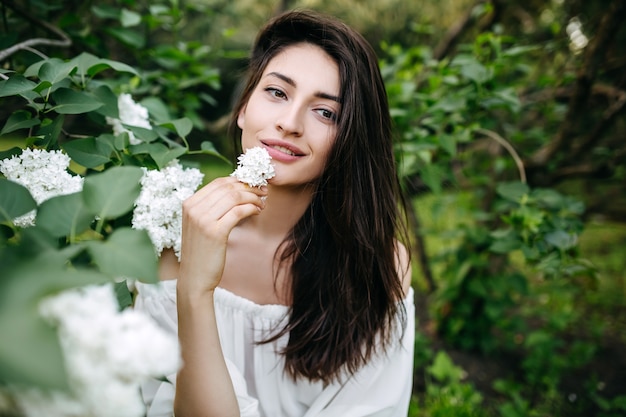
point(509, 128)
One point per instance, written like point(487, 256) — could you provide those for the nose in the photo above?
point(290, 122)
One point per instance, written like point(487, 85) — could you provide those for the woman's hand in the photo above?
point(208, 218)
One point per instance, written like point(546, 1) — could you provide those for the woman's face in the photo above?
point(292, 112)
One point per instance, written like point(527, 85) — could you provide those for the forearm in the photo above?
point(203, 385)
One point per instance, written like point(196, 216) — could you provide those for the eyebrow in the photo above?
point(292, 82)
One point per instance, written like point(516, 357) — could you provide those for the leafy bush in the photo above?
point(76, 107)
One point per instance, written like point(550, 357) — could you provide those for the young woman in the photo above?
point(294, 299)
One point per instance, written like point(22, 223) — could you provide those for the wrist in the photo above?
point(193, 293)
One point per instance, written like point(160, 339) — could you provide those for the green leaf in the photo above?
point(49, 131)
point(113, 192)
point(433, 176)
point(127, 253)
point(450, 103)
point(444, 369)
point(162, 155)
point(64, 215)
point(88, 152)
point(106, 12)
point(106, 96)
point(69, 101)
point(461, 273)
point(472, 69)
point(44, 85)
point(158, 9)
point(208, 148)
point(182, 127)
point(520, 50)
point(157, 109)
point(129, 18)
point(548, 198)
point(20, 119)
point(32, 355)
point(15, 200)
point(128, 36)
point(562, 240)
point(36, 240)
point(55, 70)
point(448, 143)
point(105, 64)
point(513, 191)
point(505, 245)
point(111, 141)
point(33, 70)
point(123, 295)
point(9, 153)
point(141, 133)
point(16, 85)
point(83, 62)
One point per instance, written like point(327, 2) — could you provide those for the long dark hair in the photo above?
point(345, 286)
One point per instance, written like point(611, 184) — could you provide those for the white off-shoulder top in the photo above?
point(381, 388)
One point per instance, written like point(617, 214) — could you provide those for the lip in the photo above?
point(271, 144)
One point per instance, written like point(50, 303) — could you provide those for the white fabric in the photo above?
point(382, 388)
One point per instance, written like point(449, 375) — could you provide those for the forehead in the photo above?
point(306, 63)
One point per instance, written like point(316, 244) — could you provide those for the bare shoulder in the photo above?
point(403, 266)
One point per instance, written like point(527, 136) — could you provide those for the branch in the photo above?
point(64, 40)
point(617, 104)
point(598, 89)
point(588, 169)
point(419, 248)
point(605, 122)
point(576, 171)
point(594, 57)
point(506, 145)
point(455, 32)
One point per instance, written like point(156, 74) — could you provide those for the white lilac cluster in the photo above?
point(44, 174)
point(159, 207)
point(108, 354)
point(254, 167)
point(131, 114)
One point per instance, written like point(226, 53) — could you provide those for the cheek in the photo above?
point(324, 148)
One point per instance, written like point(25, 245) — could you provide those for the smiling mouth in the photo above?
point(283, 150)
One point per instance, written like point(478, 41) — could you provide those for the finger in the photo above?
point(232, 217)
point(212, 207)
point(218, 188)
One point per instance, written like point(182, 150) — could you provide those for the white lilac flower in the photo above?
point(36, 402)
point(254, 167)
point(159, 207)
point(131, 114)
point(44, 174)
point(108, 355)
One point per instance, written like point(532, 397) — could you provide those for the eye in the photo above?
point(276, 92)
point(327, 114)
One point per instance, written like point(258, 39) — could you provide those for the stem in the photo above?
point(506, 145)
point(64, 40)
point(99, 226)
point(201, 152)
point(184, 139)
